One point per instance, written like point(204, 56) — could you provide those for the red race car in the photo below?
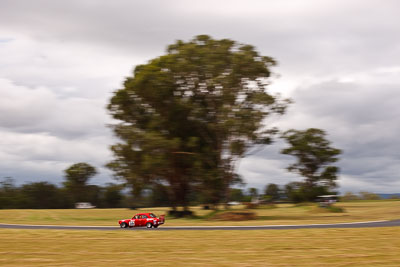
point(143, 219)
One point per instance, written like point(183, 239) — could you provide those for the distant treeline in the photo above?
point(363, 195)
point(75, 188)
point(44, 195)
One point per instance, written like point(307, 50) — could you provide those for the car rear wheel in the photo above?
point(123, 225)
point(155, 226)
point(149, 225)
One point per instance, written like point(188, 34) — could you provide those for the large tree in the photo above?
point(188, 115)
point(315, 156)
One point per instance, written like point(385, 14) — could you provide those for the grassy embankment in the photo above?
point(282, 214)
point(305, 247)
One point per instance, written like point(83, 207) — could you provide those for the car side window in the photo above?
point(144, 217)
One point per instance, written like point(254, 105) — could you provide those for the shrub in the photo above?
point(250, 205)
point(180, 213)
point(348, 196)
point(267, 206)
point(369, 196)
point(235, 216)
point(335, 209)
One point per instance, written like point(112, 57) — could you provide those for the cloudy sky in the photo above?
point(339, 61)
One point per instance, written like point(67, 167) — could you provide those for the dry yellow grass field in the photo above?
point(305, 247)
point(283, 214)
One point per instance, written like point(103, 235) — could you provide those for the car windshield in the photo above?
point(152, 215)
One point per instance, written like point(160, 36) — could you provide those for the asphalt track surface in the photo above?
point(176, 228)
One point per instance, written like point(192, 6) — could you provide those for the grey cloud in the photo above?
point(351, 102)
point(122, 23)
point(361, 119)
point(40, 156)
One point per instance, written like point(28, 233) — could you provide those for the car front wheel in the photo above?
point(149, 225)
point(123, 225)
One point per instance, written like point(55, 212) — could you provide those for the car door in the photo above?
point(134, 221)
point(141, 221)
point(144, 220)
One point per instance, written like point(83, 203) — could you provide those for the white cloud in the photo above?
point(68, 68)
point(40, 109)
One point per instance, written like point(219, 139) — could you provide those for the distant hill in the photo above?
point(387, 196)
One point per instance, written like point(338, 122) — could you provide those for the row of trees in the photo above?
point(294, 192)
point(46, 195)
point(364, 195)
point(187, 117)
point(75, 189)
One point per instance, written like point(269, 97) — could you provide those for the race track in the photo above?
point(175, 228)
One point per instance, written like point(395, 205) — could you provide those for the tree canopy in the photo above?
point(272, 192)
point(187, 116)
point(77, 176)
